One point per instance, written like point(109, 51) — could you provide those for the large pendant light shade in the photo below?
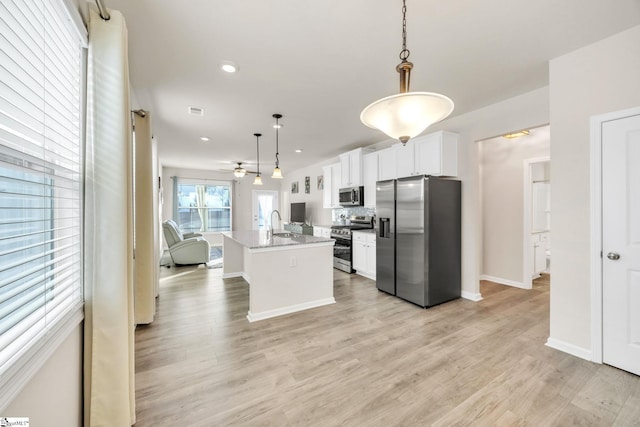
point(407, 114)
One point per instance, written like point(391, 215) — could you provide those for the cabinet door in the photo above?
point(405, 164)
point(359, 255)
point(345, 170)
point(326, 232)
point(387, 164)
point(335, 185)
point(429, 155)
point(437, 154)
point(371, 255)
point(370, 173)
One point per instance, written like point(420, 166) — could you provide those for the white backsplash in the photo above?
point(344, 213)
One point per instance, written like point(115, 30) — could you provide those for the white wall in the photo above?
point(315, 213)
point(525, 111)
point(502, 193)
point(241, 219)
point(596, 79)
point(54, 396)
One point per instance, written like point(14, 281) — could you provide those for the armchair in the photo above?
point(187, 248)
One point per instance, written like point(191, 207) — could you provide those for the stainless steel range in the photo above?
point(342, 234)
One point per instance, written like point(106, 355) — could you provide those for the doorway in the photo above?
point(263, 203)
point(615, 237)
point(505, 177)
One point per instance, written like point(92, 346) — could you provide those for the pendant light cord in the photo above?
point(258, 135)
point(404, 53)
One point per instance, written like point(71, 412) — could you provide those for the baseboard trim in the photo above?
point(502, 281)
point(367, 275)
point(254, 317)
point(472, 296)
point(571, 349)
point(232, 275)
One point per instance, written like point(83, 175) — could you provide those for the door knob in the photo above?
point(613, 256)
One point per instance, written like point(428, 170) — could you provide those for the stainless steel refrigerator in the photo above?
point(419, 239)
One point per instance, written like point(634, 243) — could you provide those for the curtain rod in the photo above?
point(102, 9)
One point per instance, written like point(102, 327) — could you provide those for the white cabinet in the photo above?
point(387, 164)
point(364, 253)
point(332, 184)
point(351, 168)
point(434, 154)
point(322, 231)
point(370, 176)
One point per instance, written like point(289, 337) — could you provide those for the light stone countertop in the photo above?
point(253, 239)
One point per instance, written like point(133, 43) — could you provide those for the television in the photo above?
point(297, 212)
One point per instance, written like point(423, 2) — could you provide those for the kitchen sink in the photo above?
point(284, 235)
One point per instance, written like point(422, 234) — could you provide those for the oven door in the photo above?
point(342, 253)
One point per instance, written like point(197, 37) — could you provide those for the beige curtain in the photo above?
point(203, 212)
point(109, 318)
point(146, 264)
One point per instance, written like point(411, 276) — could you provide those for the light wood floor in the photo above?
point(369, 360)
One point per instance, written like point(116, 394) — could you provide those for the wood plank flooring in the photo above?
point(368, 360)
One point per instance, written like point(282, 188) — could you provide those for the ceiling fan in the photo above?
point(239, 171)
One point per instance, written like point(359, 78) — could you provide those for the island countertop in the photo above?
point(254, 239)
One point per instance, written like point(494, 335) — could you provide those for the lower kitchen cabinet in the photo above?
point(364, 253)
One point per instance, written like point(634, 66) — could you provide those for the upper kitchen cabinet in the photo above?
point(434, 154)
point(387, 168)
point(332, 184)
point(351, 168)
point(370, 176)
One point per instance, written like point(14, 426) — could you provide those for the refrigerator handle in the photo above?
point(384, 228)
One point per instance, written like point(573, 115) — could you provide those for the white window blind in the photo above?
point(41, 89)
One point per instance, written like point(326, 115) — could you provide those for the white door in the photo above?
point(264, 202)
point(621, 243)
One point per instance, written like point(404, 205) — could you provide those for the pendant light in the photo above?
point(277, 173)
point(407, 114)
point(258, 180)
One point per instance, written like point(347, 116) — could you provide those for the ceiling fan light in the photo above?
point(406, 115)
point(257, 180)
point(239, 172)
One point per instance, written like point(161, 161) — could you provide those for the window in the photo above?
point(203, 206)
point(41, 125)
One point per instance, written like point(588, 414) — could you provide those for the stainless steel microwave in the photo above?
point(351, 196)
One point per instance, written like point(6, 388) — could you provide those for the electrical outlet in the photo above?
point(293, 262)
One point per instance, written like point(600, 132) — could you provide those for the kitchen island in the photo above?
point(286, 272)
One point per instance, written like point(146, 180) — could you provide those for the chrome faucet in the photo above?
point(270, 232)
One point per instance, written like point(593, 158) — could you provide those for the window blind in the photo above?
point(41, 89)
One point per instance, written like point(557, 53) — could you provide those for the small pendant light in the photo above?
point(258, 179)
point(407, 114)
point(277, 173)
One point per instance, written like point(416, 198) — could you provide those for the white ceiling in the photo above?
point(319, 63)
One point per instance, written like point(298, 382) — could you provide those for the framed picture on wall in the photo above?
point(320, 182)
point(294, 187)
point(307, 184)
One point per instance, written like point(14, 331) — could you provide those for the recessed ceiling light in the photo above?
point(204, 138)
point(299, 150)
point(229, 67)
